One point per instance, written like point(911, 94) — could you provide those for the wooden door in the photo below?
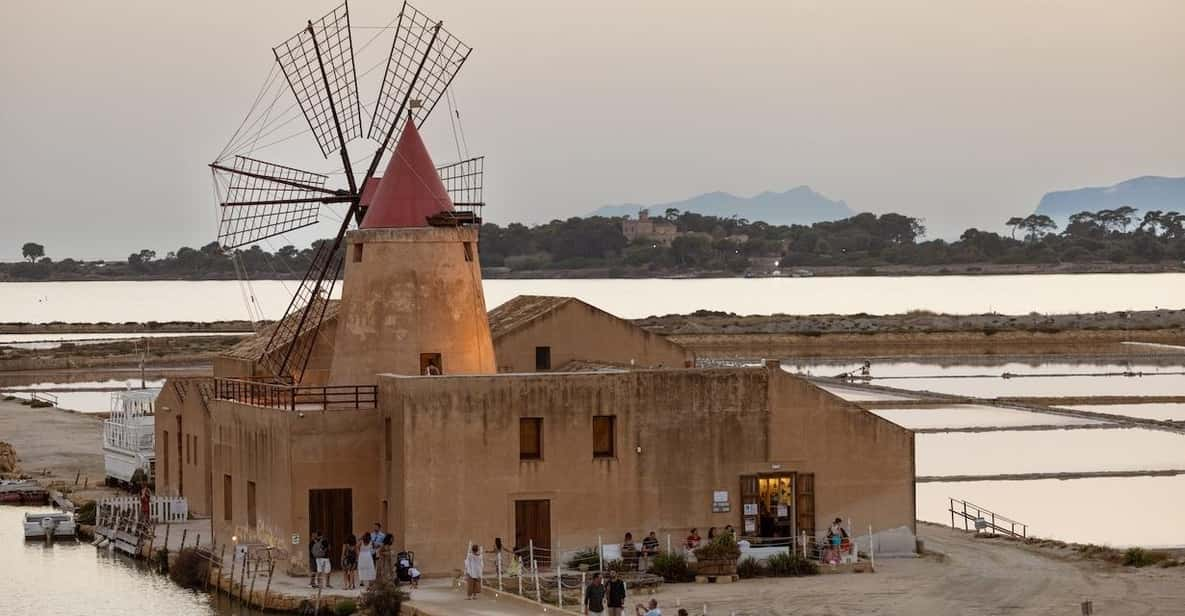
point(180, 465)
point(805, 497)
point(331, 513)
point(750, 525)
point(532, 523)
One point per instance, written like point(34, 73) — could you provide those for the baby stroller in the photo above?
point(405, 568)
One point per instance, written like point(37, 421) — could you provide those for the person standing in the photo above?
point(145, 503)
point(376, 547)
point(350, 562)
point(594, 596)
point(366, 572)
point(473, 570)
point(616, 594)
point(314, 542)
point(320, 552)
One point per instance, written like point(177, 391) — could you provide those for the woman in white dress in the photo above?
point(366, 572)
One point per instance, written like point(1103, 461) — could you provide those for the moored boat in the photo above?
point(22, 492)
point(50, 524)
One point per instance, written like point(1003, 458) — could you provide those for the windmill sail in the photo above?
point(423, 62)
point(319, 64)
point(265, 199)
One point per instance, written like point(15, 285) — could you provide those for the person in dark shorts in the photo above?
point(616, 593)
point(350, 562)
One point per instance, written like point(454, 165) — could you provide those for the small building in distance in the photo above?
point(658, 230)
point(534, 333)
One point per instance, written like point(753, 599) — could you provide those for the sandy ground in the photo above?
point(975, 577)
point(57, 441)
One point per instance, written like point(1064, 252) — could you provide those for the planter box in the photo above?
point(716, 566)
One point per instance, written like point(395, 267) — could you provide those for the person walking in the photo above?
point(594, 596)
point(366, 572)
point(314, 542)
point(473, 570)
point(350, 562)
point(616, 594)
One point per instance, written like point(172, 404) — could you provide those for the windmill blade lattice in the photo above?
point(423, 62)
point(319, 64)
point(265, 199)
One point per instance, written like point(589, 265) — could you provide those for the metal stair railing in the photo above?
point(979, 518)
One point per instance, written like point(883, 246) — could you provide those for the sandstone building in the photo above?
point(505, 441)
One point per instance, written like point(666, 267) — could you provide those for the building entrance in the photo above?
point(331, 513)
point(777, 504)
point(532, 524)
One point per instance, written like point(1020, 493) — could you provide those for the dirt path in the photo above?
point(976, 578)
point(60, 442)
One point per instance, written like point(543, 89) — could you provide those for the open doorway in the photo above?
point(775, 505)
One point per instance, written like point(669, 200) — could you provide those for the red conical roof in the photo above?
point(410, 190)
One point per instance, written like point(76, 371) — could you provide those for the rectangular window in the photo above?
point(251, 504)
point(357, 252)
point(431, 364)
point(227, 498)
point(543, 358)
point(530, 438)
point(604, 436)
point(387, 438)
point(468, 251)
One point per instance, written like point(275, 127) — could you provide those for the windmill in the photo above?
point(259, 199)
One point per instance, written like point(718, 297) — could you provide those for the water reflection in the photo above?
point(1049, 451)
point(971, 416)
point(1124, 511)
point(69, 577)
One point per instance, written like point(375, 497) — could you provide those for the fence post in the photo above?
point(583, 587)
point(871, 549)
point(952, 513)
point(559, 585)
point(520, 579)
point(531, 546)
point(535, 568)
point(600, 554)
point(668, 543)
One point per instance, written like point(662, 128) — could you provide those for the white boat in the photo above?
point(49, 524)
point(129, 442)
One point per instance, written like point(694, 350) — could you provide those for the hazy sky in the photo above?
point(963, 113)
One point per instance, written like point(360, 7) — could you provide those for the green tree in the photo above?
point(32, 251)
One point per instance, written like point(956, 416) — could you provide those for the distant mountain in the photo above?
point(1144, 193)
point(795, 206)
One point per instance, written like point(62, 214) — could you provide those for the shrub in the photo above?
point(723, 547)
point(1139, 557)
point(750, 567)
point(785, 564)
point(190, 569)
point(345, 607)
point(85, 514)
point(671, 567)
point(587, 558)
point(616, 565)
point(383, 598)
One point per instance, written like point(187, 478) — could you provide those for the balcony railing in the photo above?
point(297, 397)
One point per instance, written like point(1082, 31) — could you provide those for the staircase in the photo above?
point(979, 519)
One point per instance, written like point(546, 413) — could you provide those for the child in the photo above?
point(414, 574)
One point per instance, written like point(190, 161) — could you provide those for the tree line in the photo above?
point(704, 244)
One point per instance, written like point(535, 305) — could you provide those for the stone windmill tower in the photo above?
point(412, 300)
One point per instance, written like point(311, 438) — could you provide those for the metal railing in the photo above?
point(978, 518)
point(296, 397)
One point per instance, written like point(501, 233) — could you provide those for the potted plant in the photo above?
point(718, 557)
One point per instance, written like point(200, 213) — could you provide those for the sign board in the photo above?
point(750, 508)
point(783, 511)
point(295, 539)
point(720, 502)
point(750, 525)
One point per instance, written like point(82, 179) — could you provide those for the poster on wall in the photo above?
point(720, 502)
point(750, 525)
point(783, 511)
point(750, 508)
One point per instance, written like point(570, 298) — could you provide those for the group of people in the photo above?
point(634, 558)
point(363, 560)
point(694, 540)
point(600, 596)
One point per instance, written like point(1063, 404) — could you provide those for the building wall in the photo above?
point(181, 398)
point(698, 431)
point(863, 464)
point(286, 454)
point(578, 331)
point(407, 292)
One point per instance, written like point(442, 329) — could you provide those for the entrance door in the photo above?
point(331, 513)
point(180, 457)
point(532, 522)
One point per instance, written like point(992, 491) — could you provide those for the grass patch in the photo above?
point(1139, 557)
point(190, 569)
point(787, 565)
point(671, 567)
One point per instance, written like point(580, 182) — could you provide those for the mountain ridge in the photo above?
point(799, 205)
point(1146, 192)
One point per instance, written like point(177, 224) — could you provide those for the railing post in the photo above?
point(559, 585)
point(583, 586)
point(965, 515)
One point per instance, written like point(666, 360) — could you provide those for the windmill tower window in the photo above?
point(358, 252)
point(468, 251)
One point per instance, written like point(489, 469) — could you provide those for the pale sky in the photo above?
point(963, 113)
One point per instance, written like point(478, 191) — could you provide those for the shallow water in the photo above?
point(69, 578)
point(972, 416)
point(86, 401)
point(167, 300)
point(1117, 511)
point(1160, 411)
point(53, 341)
point(1048, 451)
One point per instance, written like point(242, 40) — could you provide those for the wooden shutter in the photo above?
point(806, 503)
point(530, 438)
point(604, 427)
